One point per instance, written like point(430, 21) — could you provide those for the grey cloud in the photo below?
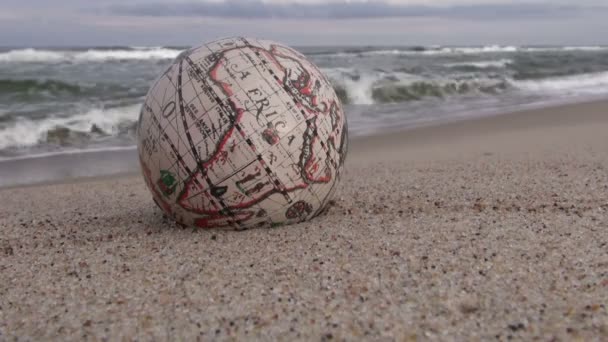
point(149, 22)
point(345, 10)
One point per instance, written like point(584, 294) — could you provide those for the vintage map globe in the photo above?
point(239, 133)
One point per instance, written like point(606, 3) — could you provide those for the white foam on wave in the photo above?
point(25, 132)
point(31, 55)
point(387, 52)
point(501, 63)
point(141, 47)
point(488, 49)
point(159, 52)
point(105, 55)
point(358, 87)
point(584, 84)
point(502, 49)
point(474, 50)
point(585, 48)
point(431, 51)
point(91, 55)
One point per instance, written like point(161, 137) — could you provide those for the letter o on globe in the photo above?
point(242, 133)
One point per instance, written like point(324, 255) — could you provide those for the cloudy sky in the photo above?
point(303, 22)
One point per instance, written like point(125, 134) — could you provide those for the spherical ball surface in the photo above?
point(239, 133)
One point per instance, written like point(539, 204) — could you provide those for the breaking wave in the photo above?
point(496, 64)
point(64, 131)
point(162, 53)
point(90, 55)
point(439, 50)
point(354, 87)
point(60, 99)
point(365, 88)
point(592, 83)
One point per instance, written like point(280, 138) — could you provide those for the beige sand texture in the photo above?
point(492, 229)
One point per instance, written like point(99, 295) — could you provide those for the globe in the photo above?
point(241, 133)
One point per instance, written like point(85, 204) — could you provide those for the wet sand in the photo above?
point(490, 229)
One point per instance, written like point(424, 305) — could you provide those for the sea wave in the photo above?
point(32, 55)
point(372, 87)
point(439, 50)
point(501, 63)
point(15, 86)
point(62, 131)
point(390, 93)
point(421, 51)
point(91, 55)
point(585, 48)
point(369, 87)
point(16, 91)
point(105, 55)
point(591, 83)
point(473, 50)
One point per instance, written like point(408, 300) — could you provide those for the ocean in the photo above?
point(61, 100)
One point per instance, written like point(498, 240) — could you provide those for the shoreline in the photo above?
point(60, 167)
point(506, 125)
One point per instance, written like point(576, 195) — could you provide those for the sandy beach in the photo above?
point(487, 229)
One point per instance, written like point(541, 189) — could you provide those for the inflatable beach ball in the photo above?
point(240, 133)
